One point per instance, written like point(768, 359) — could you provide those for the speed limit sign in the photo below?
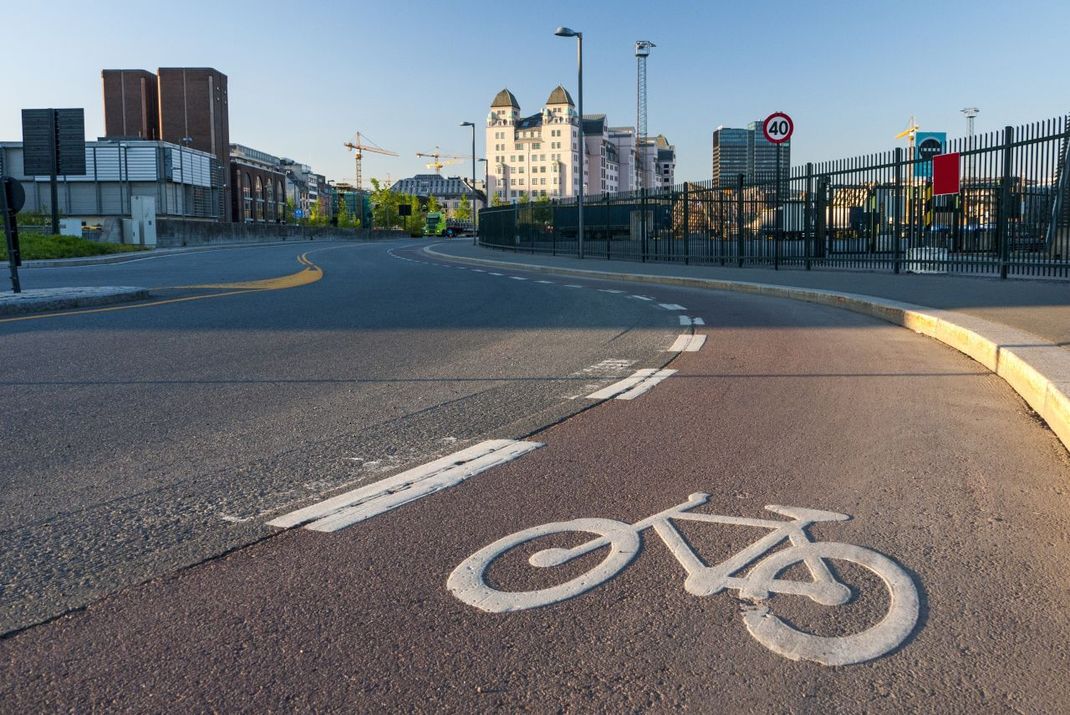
point(778, 127)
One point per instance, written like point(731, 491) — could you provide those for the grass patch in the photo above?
point(35, 246)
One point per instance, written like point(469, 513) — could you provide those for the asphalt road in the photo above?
point(158, 437)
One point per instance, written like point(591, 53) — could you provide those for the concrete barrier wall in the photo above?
point(174, 233)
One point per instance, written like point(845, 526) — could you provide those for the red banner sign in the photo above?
point(945, 174)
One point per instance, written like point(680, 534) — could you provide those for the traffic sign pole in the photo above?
point(777, 129)
point(10, 203)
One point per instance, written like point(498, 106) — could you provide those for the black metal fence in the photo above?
point(1011, 216)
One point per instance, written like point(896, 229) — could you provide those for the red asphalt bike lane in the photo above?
point(938, 463)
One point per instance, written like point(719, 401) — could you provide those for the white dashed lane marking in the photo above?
point(641, 297)
point(572, 285)
point(549, 283)
point(685, 320)
point(382, 496)
point(518, 278)
point(631, 387)
point(687, 344)
point(671, 306)
point(607, 290)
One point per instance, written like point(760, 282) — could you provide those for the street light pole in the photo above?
point(475, 213)
point(566, 32)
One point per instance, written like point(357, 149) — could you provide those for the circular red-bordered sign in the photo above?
point(778, 127)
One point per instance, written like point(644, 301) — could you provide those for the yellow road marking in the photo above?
point(310, 274)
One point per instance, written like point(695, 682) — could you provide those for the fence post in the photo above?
point(897, 208)
point(739, 219)
point(605, 217)
point(642, 223)
point(687, 229)
point(821, 216)
point(553, 233)
point(1003, 205)
point(808, 213)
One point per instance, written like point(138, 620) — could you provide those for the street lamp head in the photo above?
point(467, 124)
point(566, 32)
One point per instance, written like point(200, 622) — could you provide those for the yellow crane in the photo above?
point(910, 131)
point(361, 144)
point(437, 156)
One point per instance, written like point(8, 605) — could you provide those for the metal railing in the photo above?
point(1011, 216)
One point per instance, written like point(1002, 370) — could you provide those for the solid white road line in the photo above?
point(645, 385)
point(687, 344)
point(382, 496)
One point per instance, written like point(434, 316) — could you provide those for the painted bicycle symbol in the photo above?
point(468, 582)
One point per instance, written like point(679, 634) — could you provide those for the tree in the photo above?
point(542, 209)
point(290, 209)
point(343, 218)
point(496, 200)
point(385, 207)
point(417, 221)
point(464, 209)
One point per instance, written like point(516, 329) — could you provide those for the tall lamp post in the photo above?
point(566, 32)
point(475, 213)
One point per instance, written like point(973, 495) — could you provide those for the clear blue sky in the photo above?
point(304, 76)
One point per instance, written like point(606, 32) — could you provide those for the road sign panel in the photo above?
point(48, 133)
point(946, 174)
point(926, 146)
point(778, 128)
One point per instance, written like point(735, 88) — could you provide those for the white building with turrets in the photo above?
point(539, 155)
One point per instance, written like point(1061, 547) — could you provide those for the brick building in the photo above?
point(259, 183)
point(130, 104)
point(187, 106)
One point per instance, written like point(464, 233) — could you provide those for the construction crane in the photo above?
point(910, 131)
point(361, 144)
point(437, 156)
point(642, 51)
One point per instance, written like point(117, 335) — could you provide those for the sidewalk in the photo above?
point(1038, 307)
point(1018, 329)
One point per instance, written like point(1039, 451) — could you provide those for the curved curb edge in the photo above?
point(67, 303)
point(1035, 368)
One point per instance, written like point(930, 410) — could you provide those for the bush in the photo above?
point(35, 246)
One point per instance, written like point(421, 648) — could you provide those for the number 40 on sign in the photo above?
point(778, 128)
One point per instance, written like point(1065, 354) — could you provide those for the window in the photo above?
point(536, 145)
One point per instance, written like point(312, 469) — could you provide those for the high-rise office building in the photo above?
point(747, 152)
point(729, 155)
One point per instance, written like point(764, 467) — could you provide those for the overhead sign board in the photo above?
point(926, 146)
point(778, 128)
point(53, 135)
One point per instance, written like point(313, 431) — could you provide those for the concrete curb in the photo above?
point(1035, 368)
point(32, 304)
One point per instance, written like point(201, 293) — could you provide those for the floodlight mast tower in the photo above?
point(642, 51)
point(970, 113)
